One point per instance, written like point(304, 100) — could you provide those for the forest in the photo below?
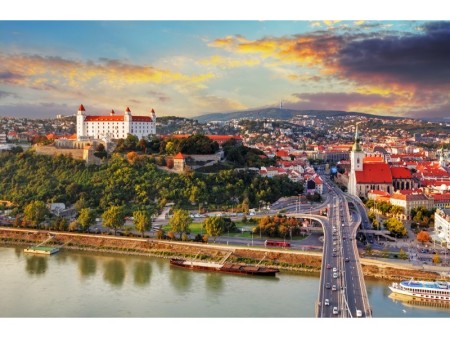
point(134, 183)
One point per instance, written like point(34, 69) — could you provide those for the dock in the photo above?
point(41, 249)
point(45, 250)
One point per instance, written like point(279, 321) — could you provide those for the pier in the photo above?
point(41, 249)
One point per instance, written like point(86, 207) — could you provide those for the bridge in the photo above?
point(342, 291)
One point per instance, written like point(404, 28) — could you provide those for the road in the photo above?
point(342, 281)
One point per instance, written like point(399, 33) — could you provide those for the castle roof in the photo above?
point(81, 108)
point(116, 118)
point(179, 156)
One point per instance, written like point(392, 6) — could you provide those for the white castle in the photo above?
point(114, 126)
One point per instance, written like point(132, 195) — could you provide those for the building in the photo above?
point(179, 163)
point(442, 225)
point(367, 173)
point(3, 138)
point(411, 200)
point(114, 126)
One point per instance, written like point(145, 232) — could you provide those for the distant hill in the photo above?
point(280, 114)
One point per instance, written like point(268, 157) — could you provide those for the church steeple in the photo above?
point(356, 145)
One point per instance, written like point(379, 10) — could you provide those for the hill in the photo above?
point(280, 114)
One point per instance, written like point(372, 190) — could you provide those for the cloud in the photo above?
point(227, 63)
point(161, 97)
point(212, 103)
point(420, 59)
point(48, 72)
point(4, 94)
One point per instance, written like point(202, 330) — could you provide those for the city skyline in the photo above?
point(189, 68)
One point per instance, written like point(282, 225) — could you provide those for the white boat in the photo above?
point(423, 289)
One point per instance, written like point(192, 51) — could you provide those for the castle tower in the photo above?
point(81, 115)
point(127, 121)
point(356, 164)
point(153, 126)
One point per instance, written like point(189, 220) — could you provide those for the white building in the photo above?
point(442, 225)
point(114, 126)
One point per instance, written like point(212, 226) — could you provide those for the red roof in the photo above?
point(369, 159)
point(374, 172)
point(81, 108)
point(116, 118)
point(128, 110)
point(282, 153)
point(141, 119)
point(179, 156)
point(103, 118)
point(400, 172)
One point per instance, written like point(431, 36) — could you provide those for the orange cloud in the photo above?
point(223, 62)
point(38, 71)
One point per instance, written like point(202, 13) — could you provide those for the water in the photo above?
point(87, 285)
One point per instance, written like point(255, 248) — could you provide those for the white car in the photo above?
point(327, 302)
point(335, 310)
point(334, 269)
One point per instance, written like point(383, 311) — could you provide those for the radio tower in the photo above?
point(281, 104)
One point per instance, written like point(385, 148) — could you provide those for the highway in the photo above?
point(342, 284)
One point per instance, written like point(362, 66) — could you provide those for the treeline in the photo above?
point(134, 183)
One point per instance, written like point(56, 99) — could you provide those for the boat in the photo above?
point(224, 267)
point(438, 290)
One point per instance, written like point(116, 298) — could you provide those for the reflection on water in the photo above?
point(87, 266)
point(36, 265)
point(142, 273)
point(114, 272)
point(419, 302)
point(18, 251)
point(180, 279)
point(214, 282)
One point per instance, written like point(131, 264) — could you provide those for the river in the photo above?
point(74, 284)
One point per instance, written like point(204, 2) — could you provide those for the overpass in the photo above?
point(341, 280)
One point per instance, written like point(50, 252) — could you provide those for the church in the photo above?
point(114, 126)
point(372, 173)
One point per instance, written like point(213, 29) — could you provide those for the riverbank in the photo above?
point(284, 259)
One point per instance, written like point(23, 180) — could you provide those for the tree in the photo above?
point(396, 227)
point(436, 259)
point(423, 237)
point(113, 218)
point(142, 221)
point(180, 221)
point(35, 212)
point(214, 226)
point(86, 218)
point(402, 254)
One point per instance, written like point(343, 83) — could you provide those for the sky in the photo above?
point(191, 67)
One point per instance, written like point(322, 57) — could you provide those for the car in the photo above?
point(335, 275)
point(343, 224)
point(358, 313)
point(334, 249)
point(334, 288)
point(327, 286)
point(335, 310)
point(334, 269)
point(347, 259)
point(327, 301)
point(334, 254)
point(328, 266)
point(334, 243)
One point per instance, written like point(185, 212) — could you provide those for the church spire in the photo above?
point(356, 145)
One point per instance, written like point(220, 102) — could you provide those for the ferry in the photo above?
point(423, 289)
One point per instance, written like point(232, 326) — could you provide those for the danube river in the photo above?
point(83, 285)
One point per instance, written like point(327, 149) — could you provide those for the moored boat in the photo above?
point(422, 289)
point(225, 267)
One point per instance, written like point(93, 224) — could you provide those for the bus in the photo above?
point(277, 244)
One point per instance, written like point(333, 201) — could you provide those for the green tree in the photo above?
point(396, 227)
point(214, 226)
point(402, 254)
point(86, 218)
point(180, 221)
point(35, 213)
point(113, 218)
point(142, 221)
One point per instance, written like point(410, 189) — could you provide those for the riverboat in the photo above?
point(438, 290)
point(225, 267)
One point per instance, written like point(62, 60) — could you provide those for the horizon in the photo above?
point(192, 68)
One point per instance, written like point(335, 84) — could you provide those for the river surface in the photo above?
point(73, 284)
